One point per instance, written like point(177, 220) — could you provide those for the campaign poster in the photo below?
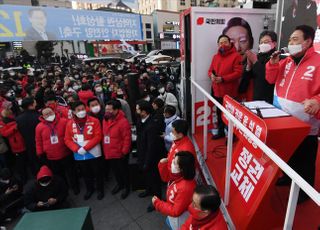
point(25, 23)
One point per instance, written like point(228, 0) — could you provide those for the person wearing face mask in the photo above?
point(100, 94)
point(262, 90)
point(9, 130)
point(181, 184)
point(225, 71)
point(49, 192)
point(51, 148)
point(297, 92)
point(125, 107)
point(96, 109)
point(51, 101)
point(181, 141)
point(85, 93)
point(205, 211)
point(150, 148)
point(83, 136)
point(168, 98)
point(117, 145)
point(170, 116)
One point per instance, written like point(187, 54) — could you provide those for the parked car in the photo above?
point(104, 60)
point(159, 59)
point(135, 57)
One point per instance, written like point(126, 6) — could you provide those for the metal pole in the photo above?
point(205, 128)
point(278, 26)
point(228, 162)
point(292, 205)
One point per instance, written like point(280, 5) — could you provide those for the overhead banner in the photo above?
point(132, 4)
point(23, 23)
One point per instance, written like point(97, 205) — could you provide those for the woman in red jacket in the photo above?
point(180, 188)
point(51, 148)
point(9, 130)
point(117, 144)
point(204, 210)
point(225, 71)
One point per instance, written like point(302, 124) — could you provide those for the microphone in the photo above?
point(284, 52)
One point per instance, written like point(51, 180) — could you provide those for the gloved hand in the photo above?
point(82, 151)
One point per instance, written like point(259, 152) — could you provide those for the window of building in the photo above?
point(182, 2)
point(193, 2)
point(148, 35)
point(148, 26)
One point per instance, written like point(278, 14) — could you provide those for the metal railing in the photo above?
point(297, 181)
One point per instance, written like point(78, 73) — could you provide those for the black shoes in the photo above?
point(125, 194)
point(283, 181)
point(88, 195)
point(115, 190)
point(144, 194)
point(100, 195)
point(150, 208)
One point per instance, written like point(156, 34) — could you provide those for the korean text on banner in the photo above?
point(23, 23)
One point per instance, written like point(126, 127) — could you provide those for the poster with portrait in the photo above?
point(243, 26)
point(25, 23)
point(299, 12)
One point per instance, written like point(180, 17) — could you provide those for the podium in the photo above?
point(254, 202)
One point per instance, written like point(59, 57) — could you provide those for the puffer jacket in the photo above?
point(116, 137)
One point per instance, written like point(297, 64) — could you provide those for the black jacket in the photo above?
point(6, 199)
point(262, 90)
point(56, 189)
point(150, 145)
point(27, 123)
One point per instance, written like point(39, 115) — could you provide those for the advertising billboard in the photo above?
point(23, 23)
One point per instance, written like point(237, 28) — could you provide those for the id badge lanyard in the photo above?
point(53, 135)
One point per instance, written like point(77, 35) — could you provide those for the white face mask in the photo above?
point(264, 48)
point(174, 138)
point(44, 184)
point(174, 168)
point(51, 118)
point(161, 90)
point(96, 109)
point(99, 89)
point(81, 114)
point(75, 87)
point(147, 98)
point(294, 49)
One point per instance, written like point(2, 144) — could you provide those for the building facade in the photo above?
point(49, 3)
point(166, 25)
point(148, 6)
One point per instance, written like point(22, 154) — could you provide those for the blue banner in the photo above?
point(23, 23)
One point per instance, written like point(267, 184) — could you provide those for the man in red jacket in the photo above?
point(297, 91)
point(51, 101)
point(204, 210)
point(85, 93)
point(83, 137)
point(50, 145)
point(225, 71)
point(117, 144)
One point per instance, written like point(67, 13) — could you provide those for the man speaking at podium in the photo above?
point(297, 91)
